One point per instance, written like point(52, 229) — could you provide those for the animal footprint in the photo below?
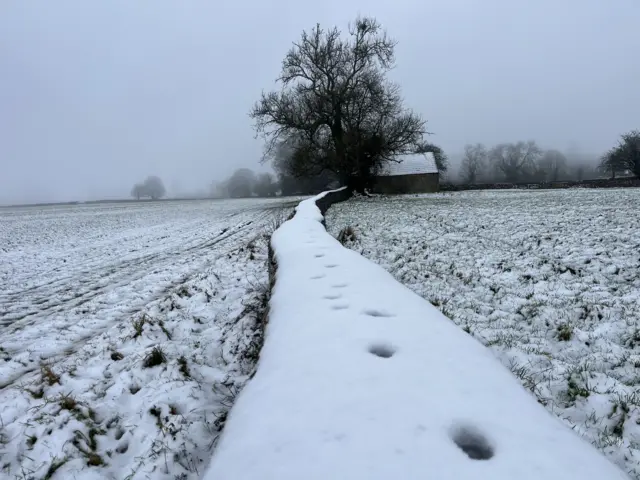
point(382, 350)
point(123, 447)
point(471, 441)
point(377, 313)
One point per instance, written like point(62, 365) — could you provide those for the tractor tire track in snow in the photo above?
point(78, 394)
point(91, 284)
point(47, 320)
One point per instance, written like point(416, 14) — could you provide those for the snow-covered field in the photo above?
point(125, 332)
point(360, 378)
point(548, 280)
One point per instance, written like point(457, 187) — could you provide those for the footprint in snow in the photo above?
point(334, 296)
point(123, 447)
point(317, 277)
point(340, 285)
point(382, 350)
point(319, 255)
point(339, 306)
point(377, 313)
point(471, 441)
point(331, 265)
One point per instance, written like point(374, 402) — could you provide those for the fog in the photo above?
point(95, 96)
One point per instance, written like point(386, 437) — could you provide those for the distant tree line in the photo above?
point(152, 188)
point(244, 183)
point(526, 162)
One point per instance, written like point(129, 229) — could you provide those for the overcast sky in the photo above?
point(96, 95)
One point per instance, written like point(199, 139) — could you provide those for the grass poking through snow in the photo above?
point(164, 314)
point(548, 280)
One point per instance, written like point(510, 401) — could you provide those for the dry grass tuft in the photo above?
point(154, 358)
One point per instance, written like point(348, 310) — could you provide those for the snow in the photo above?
point(548, 280)
point(413, 164)
point(87, 292)
point(360, 378)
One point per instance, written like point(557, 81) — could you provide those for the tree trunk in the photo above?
point(355, 183)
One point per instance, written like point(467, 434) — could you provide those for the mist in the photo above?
point(97, 95)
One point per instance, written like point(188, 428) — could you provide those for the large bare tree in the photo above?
point(336, 110)
point(515, 160)
point(473, 162)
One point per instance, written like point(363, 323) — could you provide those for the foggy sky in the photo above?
point(97, 95)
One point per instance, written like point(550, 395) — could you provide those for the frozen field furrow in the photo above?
point(88, 292)
point(138, 265)
point(548, 280)
point(90, 280)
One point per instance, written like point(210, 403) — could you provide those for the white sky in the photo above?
point(97, 95)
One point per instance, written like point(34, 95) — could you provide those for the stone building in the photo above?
point(414, 173)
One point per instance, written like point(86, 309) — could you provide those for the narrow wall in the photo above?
point(402, 184)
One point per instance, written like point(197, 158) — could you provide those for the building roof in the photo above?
point(410, 164)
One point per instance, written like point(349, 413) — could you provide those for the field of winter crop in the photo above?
point(548, 280)
point(125, 332)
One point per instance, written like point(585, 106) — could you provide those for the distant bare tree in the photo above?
point(552, 165)
point(242, 183)
point(137, 191)
point(473, 162)
point(336, 109)
point(624, 156)
point(218, 190)
point(154, 188)
point(515, 160)
point(629, 149)
point(265, 185)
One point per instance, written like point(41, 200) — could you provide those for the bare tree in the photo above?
point(242, 183)
point(515, 160)
point(137, 191)
point(153, 187)
point(552, 165)
point(624, 156)
point(630, 151)
point(218, 190)
point(336, 109)
point(265, 185)
point(473, 162)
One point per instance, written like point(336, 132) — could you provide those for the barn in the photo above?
point(414, 173)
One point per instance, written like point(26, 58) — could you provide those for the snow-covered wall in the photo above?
point(360, 378)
